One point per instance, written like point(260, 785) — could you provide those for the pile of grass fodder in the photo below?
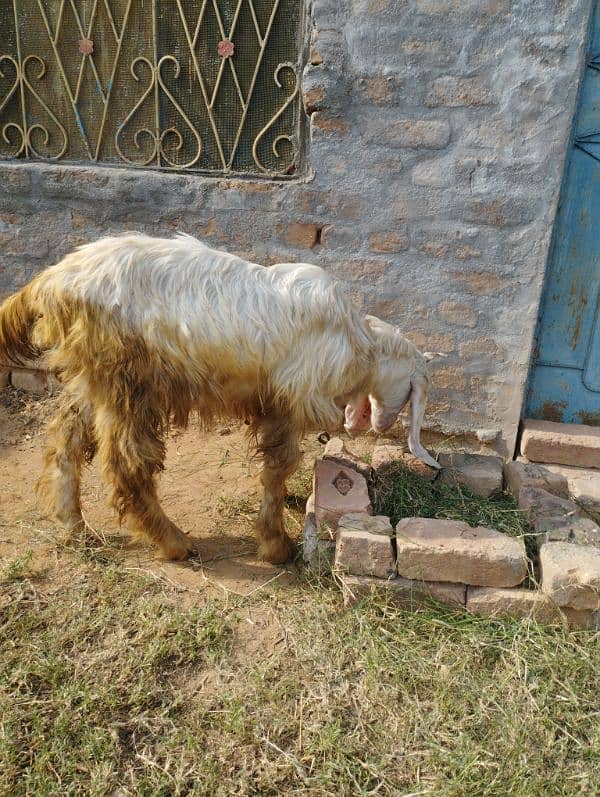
point(399, 493)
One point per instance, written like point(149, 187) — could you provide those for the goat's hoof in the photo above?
point(276, 550)
point(178, 548)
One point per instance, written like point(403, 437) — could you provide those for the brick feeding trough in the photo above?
point(448, 561)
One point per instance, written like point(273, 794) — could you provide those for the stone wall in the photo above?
point(437, 137)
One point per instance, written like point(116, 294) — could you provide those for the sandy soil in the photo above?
point(209, 487)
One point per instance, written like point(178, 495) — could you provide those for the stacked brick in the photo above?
point(31, 376)
point(447, 561)
point(32, 380)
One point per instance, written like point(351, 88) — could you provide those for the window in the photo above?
point(197, 85)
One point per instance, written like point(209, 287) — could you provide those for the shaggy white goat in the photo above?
point(142, 331)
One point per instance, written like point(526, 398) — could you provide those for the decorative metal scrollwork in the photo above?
point(158, 136)
point(282, 136)
point(27, 132)
point(188, 91)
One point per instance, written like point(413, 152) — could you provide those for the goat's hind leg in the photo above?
point(71, 444)
point(281, 455)
point(131, 454)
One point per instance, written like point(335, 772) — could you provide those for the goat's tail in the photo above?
point(18, 315)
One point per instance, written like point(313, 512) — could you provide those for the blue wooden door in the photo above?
point(565, 380)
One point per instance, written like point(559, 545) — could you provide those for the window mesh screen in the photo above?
point(203, 85)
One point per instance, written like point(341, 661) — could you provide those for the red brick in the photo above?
point(361, 553)
point(302, 235)
point(388, 242)
point(402, 592)
point(448, 550)
point(495, 602)
point(571, 574)
point(561, 443)
point(331, 499)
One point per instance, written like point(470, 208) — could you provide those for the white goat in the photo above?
point(142, 331)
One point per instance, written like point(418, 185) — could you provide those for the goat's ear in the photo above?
point(433, 355)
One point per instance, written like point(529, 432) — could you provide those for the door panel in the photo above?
point(565, 380)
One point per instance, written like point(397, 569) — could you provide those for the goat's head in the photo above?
point(400, 374)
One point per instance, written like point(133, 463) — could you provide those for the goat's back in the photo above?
point(288, 329)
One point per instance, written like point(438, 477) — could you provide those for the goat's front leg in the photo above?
point(280, 448)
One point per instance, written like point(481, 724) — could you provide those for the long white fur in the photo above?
point(236, 320)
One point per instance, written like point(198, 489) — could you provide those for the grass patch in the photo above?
point(109, 686)
point(86, 682)
point(15, 569)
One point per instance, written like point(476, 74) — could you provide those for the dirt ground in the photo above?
point(210, 488)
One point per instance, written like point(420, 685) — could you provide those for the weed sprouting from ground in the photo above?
point(15, 569)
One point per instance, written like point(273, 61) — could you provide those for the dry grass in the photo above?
point(110, 686)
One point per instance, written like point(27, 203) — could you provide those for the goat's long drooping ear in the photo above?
point(418, 399)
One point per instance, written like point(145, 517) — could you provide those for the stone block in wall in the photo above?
point(362, 553)
point(479, 473)
point(458, 314)
point(539, 503)
point(577, 530)
point(301, 235)
point(385, 457)
point(486, 10)
point(561, 443)
point(457, 92)
point(529, 474)
point(501, 211)
point(327, 123)
point(368, 272)
point(571, 574)
point(431, 549)
point(436, 173)
point(403, 592)
point(313, 99)
point(417, 133)
point(388, 242)
point(519, 603)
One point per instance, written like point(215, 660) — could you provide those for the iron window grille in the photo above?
point(198, 85)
